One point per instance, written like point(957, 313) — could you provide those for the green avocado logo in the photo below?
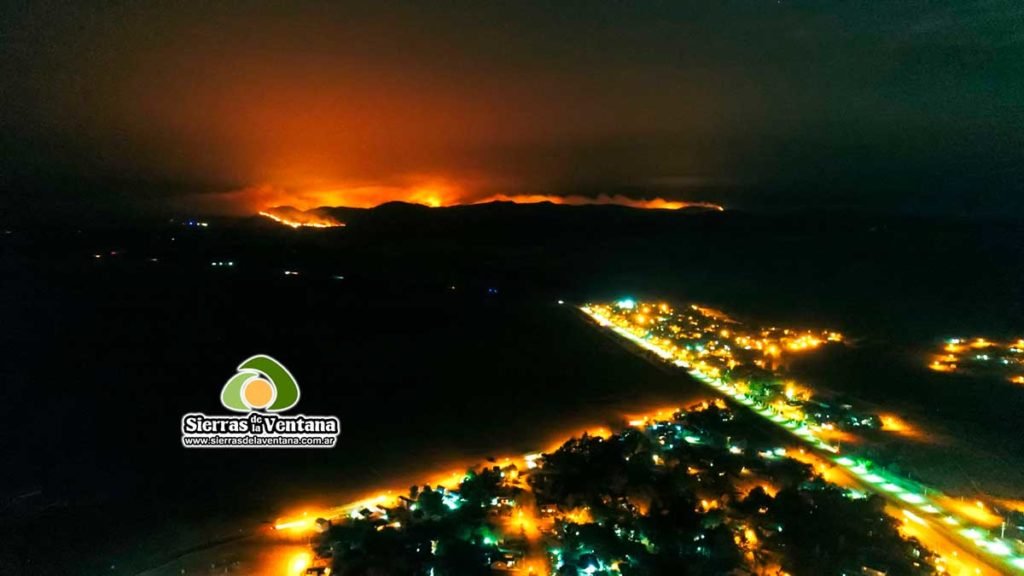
point(261, 383)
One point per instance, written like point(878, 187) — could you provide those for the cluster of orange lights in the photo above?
point(718, 342)
point(714, 343)
point(981, 356)
point(896, 425)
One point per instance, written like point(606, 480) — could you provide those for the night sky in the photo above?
point(154, 107)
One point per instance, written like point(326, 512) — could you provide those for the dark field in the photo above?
point(419, 383)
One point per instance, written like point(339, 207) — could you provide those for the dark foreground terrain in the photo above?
point(433, 334)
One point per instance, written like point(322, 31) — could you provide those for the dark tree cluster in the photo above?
point(672, 497)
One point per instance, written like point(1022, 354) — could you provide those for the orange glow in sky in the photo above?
point(575, 200)
point(428, 191)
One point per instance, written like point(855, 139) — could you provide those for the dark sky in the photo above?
point(142, 106)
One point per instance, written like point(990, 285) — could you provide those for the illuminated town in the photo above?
point(743, 364)
point(981, 356)
point(699, 491)
point(765, 478)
